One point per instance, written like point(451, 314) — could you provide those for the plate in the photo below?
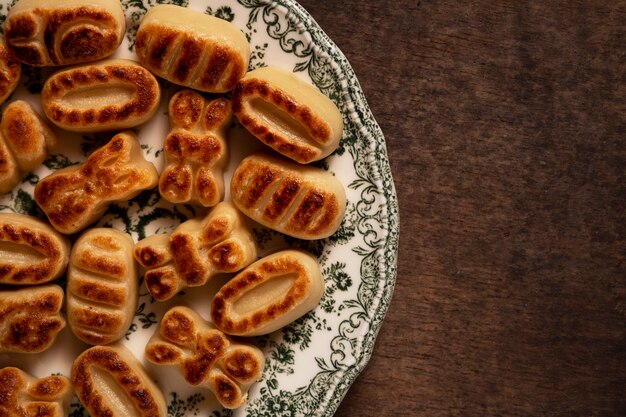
point(312, 362)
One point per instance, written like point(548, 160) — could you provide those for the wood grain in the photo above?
point(505, 125)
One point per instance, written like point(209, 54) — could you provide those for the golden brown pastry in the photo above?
point(30, 318)
point(26, 140)
point(76, 196)
point(110, 382)
point(110, 94)
point(192, 49)
point(10, 70)
point(288, 114)
point(196, 251)
point(64, 32)
point(101, 286)
point(269, 294)
point(31, 252)
point(205, 356)
point(195, 149)
point(22, 395)
point(300, 201)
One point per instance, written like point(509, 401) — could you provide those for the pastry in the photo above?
point(196, 251)
point(300, 201)
point(110, 382)
point(195, 150)
point(111, 94)
point(269, 294)
point(205, 356)
point(64, 33)
point(76, 196)
point(22, 395)
point(288, 114)
point(30, 318)
point(31, 252)
point(192, 49)
point(25, 140)
point(101, 286)
point(10, 70)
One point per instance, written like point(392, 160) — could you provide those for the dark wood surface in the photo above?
point(505, 123)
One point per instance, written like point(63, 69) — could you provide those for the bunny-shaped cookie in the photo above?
point(196, 251)
point(195, 149)
point(24, 395)
point(76, 196)
point(205, 356)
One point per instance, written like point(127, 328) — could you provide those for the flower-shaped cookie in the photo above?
point(195, 149)
point(30, 318)
point(196, 251)
point(23, 395)
point(76, 196)
point(205, 356)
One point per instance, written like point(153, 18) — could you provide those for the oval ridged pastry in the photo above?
point(22, 394)
point(76, 196)
point(300, 201)
point(64, 33)
point(31, 252)
point(288, 114)
point(269, 294)
point(25, 140)
point(110, 382)
point(205, 356)
point(101, 286)
point(110, 94)
point(30, 318)
point(10, 70)
point(192, 49)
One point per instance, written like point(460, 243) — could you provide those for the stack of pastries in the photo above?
point(91, 92)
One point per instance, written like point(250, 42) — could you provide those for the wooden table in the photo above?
point(505, 123)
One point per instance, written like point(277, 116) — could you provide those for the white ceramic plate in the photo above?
point(311, 363)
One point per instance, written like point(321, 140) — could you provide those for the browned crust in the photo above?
point(280, 197)
point(125, 374)
point(52, 248)
point(249, 279)
point(23, 395)
point(186, 59)
point(195, 149)
point(10, 70)
point(205, 355)
point(30, 319)
point(70, 35)
point(74, 198)
point(250, 89)
point(144, 100)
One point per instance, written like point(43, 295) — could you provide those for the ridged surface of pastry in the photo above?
point(195, 149)
point(110, 382)
point(192, 49)
point(31, 252)
point(288, 114)
point(76, 196)
point(300, 201)
point(196, 251)
point(25, 140)
point(269, 294)
point(22, 395)
point(102, 286)
point(110, 94)
point(30, 318)
point(205, 356)
point(10, 70)
point(64, 33)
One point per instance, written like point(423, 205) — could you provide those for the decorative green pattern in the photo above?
point(311, 362)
